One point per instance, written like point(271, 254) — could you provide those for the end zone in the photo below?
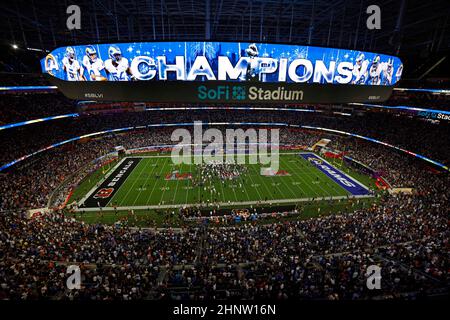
point(353, 186)
point(102, 194)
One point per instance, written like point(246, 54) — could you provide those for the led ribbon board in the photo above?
point(210, 72)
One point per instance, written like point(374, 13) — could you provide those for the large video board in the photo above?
point(265, 72)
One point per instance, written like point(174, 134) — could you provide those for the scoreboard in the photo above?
point(210, 72)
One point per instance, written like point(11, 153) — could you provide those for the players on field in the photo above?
point(117, 67)
point(93, 65)
point(71, 66)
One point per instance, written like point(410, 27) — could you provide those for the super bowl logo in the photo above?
point(104, 193)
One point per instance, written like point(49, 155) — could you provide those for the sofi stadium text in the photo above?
point(224, 310)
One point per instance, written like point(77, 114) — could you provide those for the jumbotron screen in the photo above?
point(222, 71)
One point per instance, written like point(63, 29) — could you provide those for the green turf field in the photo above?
point(147, 184)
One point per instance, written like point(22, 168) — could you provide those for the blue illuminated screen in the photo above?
point(225, 61)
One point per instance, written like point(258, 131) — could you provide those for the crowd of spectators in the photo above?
point(319, 258)
point(23, 107)
point(419, 99)
point(416, 135)
point(22, 79)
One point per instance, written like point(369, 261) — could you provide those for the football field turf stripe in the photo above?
point(322, 180)
point(299, 172)
point(154, 183)
point(175, 192)
point(293, 176)
point(130, 188)
point(146, 179)
point(188, 185)
point(241, 180)
point(256, 188)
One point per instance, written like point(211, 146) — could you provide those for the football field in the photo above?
point(154, 181)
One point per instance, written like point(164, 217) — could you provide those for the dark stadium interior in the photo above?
point(323, 257)
point(415, 30)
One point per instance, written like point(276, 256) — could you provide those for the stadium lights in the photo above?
point(15, 46)
point(401, 108)
point(433, 91)
point(23, 123)
point(28, 88)
point(35, 49)
point(342, 113)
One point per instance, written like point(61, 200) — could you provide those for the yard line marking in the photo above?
point(257, 191)
point(188, 183)
point(142, 169)
point(154, 184)
point(234, 192)
point(118, 191)
point(146, 179)
point(244, 187)
point(264, 180)
point(291, 178)
point(176, 189)
point(223, 191)
point(163, 167)
point(306, 183)
point(90, 192)
point(322, 178)
point(165, 184)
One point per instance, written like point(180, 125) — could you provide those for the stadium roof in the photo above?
point(42, 24)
